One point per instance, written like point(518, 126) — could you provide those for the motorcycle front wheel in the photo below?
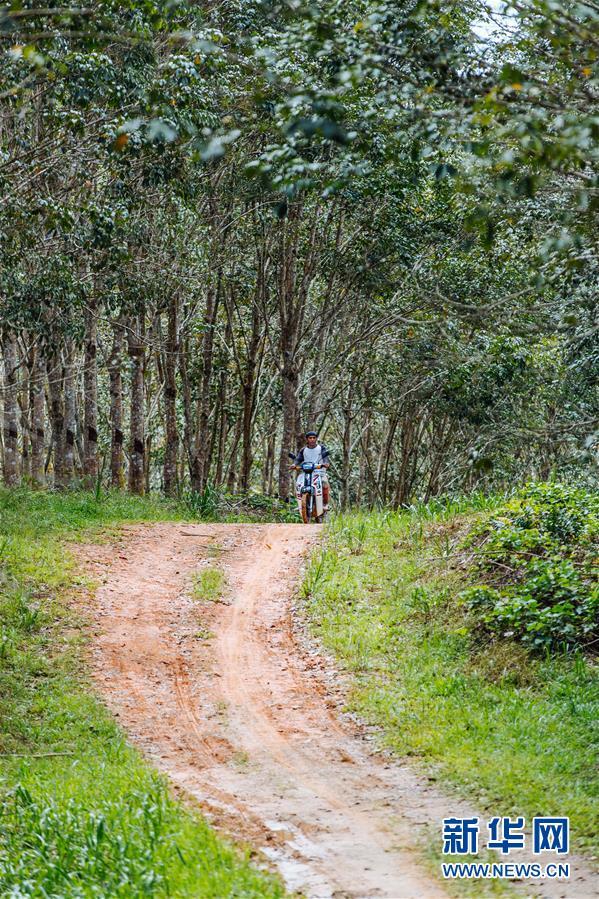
point(306, 507)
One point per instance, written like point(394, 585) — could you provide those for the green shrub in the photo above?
point(537, 559)
point(204, 503)
point(215, 504)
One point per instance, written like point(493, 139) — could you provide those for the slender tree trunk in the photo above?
point(249, 399)
point(314, 392)
point(12, 471)
point(38, 428)
point(117, 437)
point(222, 428)
point(292, 298)
point(441, 440)
point(56, 403)
point(212, 444)
point(347, 445)
point(79, 454)
point(25, 404)
point(363, 494)
point(403, 487)
point(387, 455)
point(90, 393)
point(199, 468)
point(147, 458)
point(137, 441)
point(232, 466)
point(70, 414)
point(171, 450)
point(268, 463)
point(271, 463)
point(289, 438)
point(246, 451)
point(346, 462)
point(187, 404)
point(264, 466)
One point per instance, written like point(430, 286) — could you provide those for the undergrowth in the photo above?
point(511, 728)
point(537, 561)
point(215, 504)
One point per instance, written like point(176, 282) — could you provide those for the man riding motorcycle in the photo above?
point(318, 454)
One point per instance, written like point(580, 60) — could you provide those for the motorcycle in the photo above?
point(309, 493)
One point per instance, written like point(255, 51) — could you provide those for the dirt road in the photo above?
point(241, 716)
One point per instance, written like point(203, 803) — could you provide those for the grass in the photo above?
point(81, 814)
point(209, 584)
point(515, 733)
point(215, 504)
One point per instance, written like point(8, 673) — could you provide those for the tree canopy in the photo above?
point(224, 223)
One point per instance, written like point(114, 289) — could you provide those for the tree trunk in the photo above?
point(292, 298)
point(212, 444)
point(289, 438)
point(246, 429)
point(55, 380)
point(249, 399)
point(147, 460)
point(387, 455)
point(70, 414)
point(25, 404)
point(12, 472)
point(187, 403)
point(38, 430)
point(232, 466)
point(440, 443)
point(346, 462)
point(223, 428)
point(268, 463)
point(171, 450)
point(90, 397)
point(347, 445)
point(137, 441)
point(362, 493)
point(270, 485)
point(199, 473)
point(117, 437)
point(404, 480)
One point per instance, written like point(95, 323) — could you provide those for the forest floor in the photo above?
point(200, 654)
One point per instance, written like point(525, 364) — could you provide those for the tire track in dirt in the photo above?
point(246, 722)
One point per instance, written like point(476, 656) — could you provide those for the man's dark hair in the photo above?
point(310, 434)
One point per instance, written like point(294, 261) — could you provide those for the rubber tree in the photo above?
point(37, 401)
point(117, 437)
point(171, 352)
point(136, 350)
point(10, 427)
point(90, 395)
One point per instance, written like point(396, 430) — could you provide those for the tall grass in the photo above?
point(517, 734)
